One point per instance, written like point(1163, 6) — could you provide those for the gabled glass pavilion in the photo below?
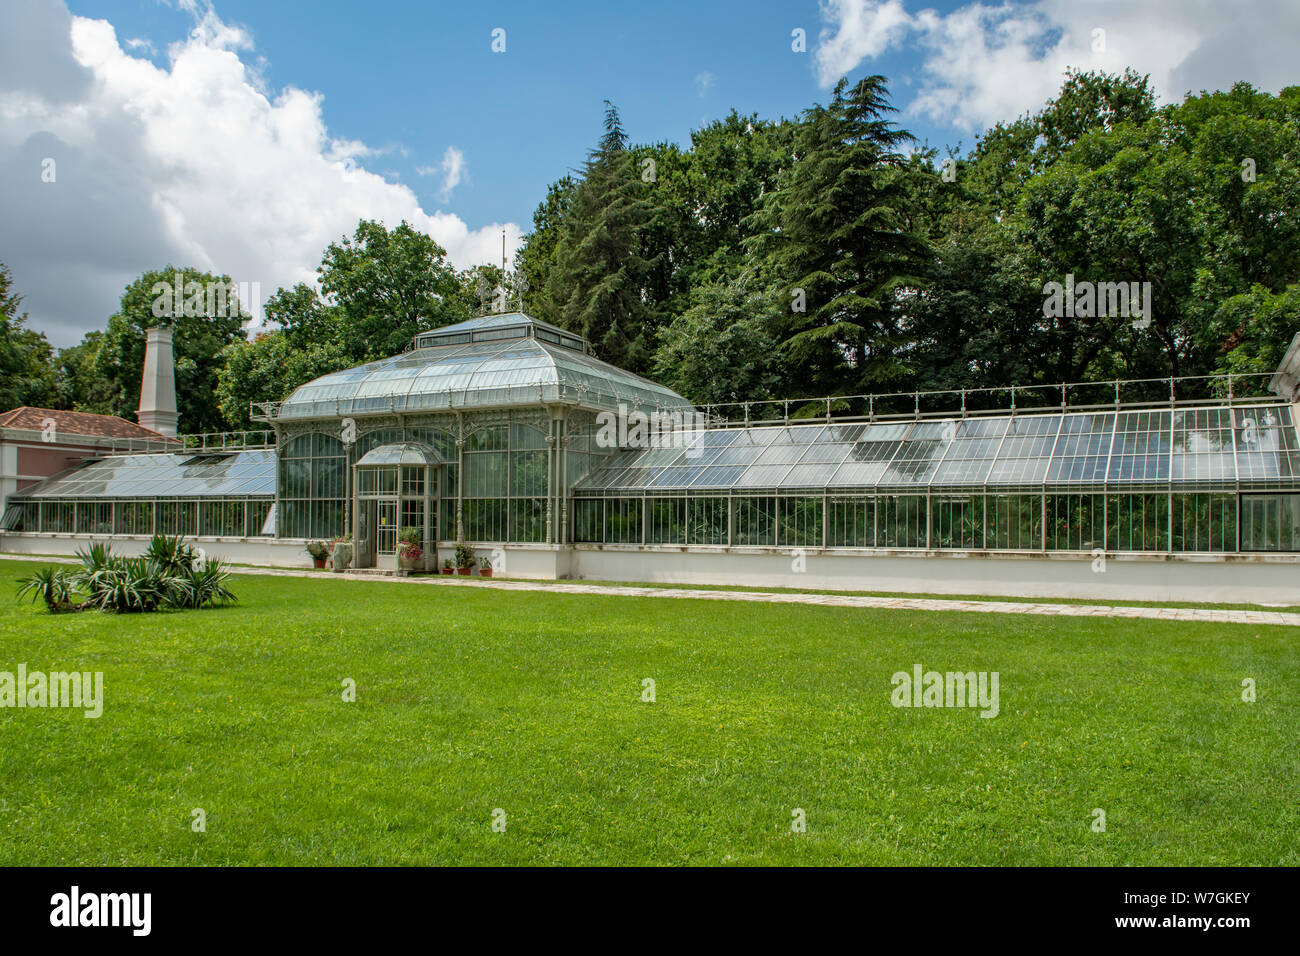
point(494, 432)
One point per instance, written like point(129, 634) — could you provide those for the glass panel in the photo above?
point(1270, 522)
point(1076, 522)
point(957, 522)
point(1137, 522)
point(753, 521)
point(851, 523)
point(901, 521)
point(800, 523)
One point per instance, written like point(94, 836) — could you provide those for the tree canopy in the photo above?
point(827, 254)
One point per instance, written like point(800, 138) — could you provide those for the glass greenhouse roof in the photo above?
point(230, 475)
point(523, 367)
point(1213, 447)
point(402, 453)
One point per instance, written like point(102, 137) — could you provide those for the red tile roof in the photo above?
point(76, 423)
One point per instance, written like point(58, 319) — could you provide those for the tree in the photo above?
point(537, 255)
point(26, 370)
point(835, 232)
point(720, 350)
point(81, 387)
point(202, 327)
point(599, 278)
point(387, 286)
point(268, 369)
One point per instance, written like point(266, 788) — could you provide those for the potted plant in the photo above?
point(408, 555)
point(341, 554)
point(447, 568)
point(464, 559)
point(485, 567)
point(319, 551)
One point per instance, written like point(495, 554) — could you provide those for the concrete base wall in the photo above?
point(1255, 579)
point(265, 552)
point(1236, 578)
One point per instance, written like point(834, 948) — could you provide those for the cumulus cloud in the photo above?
point(983, 63)
point(451, 169)
point(194, 163)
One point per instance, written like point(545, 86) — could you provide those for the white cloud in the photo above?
point(704, 82)
point(863, 29)
point(451, 169)
point(195, 163)
point(984, 63)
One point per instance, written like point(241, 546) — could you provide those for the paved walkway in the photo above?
point(1202, 615)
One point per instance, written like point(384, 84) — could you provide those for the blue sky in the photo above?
point(242, 137)
point(417, 77)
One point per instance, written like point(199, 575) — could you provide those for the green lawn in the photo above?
point(472, 699)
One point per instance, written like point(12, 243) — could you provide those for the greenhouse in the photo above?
point(212, 494)
point(1216, 479)
point(496, 433)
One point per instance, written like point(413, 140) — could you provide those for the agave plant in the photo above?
point(133, 584)
point(173, 555)
point(166, 576)
point(204, 586)
point(95, 561)
point(51, 585)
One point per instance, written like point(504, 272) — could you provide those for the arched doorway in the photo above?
point(395, 487)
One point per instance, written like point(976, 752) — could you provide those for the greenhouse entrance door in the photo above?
point(396, 490)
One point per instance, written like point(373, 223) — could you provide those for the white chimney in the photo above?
point(158, 387)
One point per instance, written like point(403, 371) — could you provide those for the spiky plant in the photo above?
point(51, 585)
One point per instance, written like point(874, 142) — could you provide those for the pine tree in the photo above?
point(599, 278)
point(837, 228)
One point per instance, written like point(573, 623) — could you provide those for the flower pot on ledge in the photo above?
point(465, 571)
point(485, 571)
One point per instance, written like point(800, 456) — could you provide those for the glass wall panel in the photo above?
point(902, 521)
point(1204, 522)
point(1015, 522)
point(707, 519)
point(801, 522)
point(753, 521)
point(258, 511)
point(1270, 522)
point(623, 520)
point(851, 523)
point(313, 485)
point(486, 519)
point(588, 520)
point(1075, 522)
point(1137, 522)
point(528, 520)
point(957, 522)
point(667, 521)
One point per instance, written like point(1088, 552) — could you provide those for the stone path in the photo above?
point(1201, 615)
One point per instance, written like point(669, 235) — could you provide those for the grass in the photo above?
point(472, 699)
point(1108, 602)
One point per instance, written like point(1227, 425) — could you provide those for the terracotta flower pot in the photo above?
point(448, 570)
point(318, 562)
point(464, 570)
point(485, 572)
